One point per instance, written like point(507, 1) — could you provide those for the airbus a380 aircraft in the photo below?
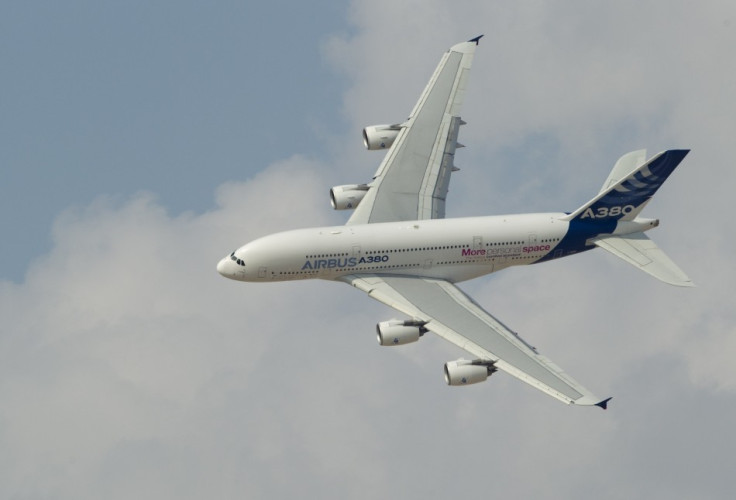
point(399, 249)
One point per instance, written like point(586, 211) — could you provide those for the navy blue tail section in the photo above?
point(628, 196)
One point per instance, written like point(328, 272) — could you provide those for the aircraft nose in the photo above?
point(222, 266)
point(232, 267)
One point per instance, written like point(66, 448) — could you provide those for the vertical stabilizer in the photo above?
point(624, 166)
point(624, 199)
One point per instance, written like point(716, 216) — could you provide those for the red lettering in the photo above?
point(536, 248)
point(467, 252)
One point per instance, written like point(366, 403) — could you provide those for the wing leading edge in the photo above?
point(412, 181)
point(454, 316)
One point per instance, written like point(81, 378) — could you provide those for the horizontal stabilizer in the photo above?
point(638, 250)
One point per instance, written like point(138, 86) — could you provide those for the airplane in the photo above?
point(398, 247)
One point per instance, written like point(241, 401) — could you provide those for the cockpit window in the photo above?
point(236, 260)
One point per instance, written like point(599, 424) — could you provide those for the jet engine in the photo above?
point(466, 372)
point(348, 196)
point(380, 136)
point(398, 332)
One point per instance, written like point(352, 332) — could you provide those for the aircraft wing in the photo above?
point(412, 181)
point(454, 316)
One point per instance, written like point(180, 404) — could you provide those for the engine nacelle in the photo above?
point(347, 197)
point(380, 136)
point(466, 372)
point(397, 332)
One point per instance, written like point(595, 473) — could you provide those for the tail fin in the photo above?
point(624, 166)
point(623, 199)
point(637, 249)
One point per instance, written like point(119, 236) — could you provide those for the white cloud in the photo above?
point(124, 329)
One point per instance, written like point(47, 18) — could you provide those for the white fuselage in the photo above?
point(451, 249)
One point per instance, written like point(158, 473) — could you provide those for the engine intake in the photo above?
point(380, 136)
point(466, 372)
point(347, 197)
point(397, 332)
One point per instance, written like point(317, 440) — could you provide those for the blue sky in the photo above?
point(143, 141)
point(173, 98)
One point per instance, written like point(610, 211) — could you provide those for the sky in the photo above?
point(143, 141)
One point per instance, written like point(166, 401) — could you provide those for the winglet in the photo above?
point(604, 404)
point(476, 39)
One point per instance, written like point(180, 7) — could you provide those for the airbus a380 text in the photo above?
point(398, 247)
